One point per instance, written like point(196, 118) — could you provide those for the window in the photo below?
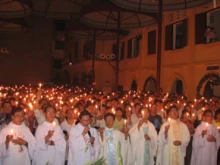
point(76, 49)
point(207, 27)
point(152, 42)
point(60, 26)
point(87, 50)
point(59, 45)
point(133, 47)
point(121, 50)
point(176, 35)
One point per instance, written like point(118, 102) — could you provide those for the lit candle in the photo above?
point(125, 123)
point(193, 115)
point(142, 113)
point(195, 100)
point(207, 124)
point(187, 114)
point(169, 120)
point(30, 106)
point(11, 132)
point(129, 108)
point(40, 85)
point(54, 125)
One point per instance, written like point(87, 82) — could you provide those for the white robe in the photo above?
point(118, 138)
point(13, 154)
point(80, 149)
point(138, 143)
point(166, 148)
point(204, 152)
point(54, 155)
point(65, 126)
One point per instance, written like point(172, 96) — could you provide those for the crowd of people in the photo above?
point(62, 125)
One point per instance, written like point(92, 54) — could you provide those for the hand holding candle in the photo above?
point(125, 123)
point(54, 125)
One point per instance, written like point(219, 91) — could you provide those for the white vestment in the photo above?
point(81, 151)
point(54, 155)
point(113, 147)
point(168, 153)
point(66, 127)
point(16, 154)
point(138, 143)
point(204, 152)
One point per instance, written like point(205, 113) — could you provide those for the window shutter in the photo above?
point(185, 33)
point(129, 48)
point(151, 42)
point(169, 37)
point(200, 28)
point(114, 49)
point(122, 50)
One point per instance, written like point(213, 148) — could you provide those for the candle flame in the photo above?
point(12, 132)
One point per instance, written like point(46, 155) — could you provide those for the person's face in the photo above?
point(173, 114)
point(145, 113)
point(70, 114)
point(137, 108)
point(186, 115)
point(153, 108)
point(7, 108)
point(18, 118)
point(208, 117)
point(118, 113)
point(50, 114)
point(85, 120)
point(109, 121)
point(64, 108)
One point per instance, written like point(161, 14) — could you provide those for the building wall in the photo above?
point(187, 64)
point(30, 57)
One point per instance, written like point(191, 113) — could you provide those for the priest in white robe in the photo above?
point(173, 139)
point(17, 144)
point(51, 145)
point(143, 137)
point(84, 143)
point(113, 143)
point(206, 142)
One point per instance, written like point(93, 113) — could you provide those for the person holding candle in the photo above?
point(216, 122)
point(51, 145)
point(185, 118)
point(206, 142)
point(84, 143)
point(135, 115)
point(154, 118)
point(113, 143)
point(143, 137)
point(173, 139)
point(66, 126)
point(17, 144)
point(118, 122)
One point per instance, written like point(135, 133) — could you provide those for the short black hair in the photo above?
point(207, 111)
point(48, 106)
point(109, 114)
point(16, 109)
point(119, 109)
point(171, 107)
point(84, 113)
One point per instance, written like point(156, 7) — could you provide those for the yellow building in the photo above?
point(190, 55)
